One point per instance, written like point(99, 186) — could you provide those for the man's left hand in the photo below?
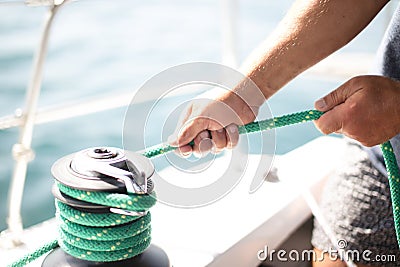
point(365, 108)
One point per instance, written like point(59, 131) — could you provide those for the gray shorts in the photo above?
point(356, 204)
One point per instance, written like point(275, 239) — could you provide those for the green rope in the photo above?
point(35, 254)
point(134, 202)
point(104, 237)
point(75, 226)
point(394, 183)
point(100, 237)
point(256, 126)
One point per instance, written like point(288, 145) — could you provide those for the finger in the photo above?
point(184, 151)
point(331, 121)
point(191, 130)
point(232, 135)
point(339, 95)
point(202, 144)
point(172, 139)
point(218, 138)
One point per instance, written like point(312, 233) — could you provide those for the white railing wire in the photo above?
point(21, 151)
point(69, 110)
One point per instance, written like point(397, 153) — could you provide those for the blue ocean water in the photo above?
point(101, 47)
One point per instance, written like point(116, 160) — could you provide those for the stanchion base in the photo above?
point(153, 256)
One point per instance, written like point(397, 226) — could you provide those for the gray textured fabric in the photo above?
point(388, 64)
point(357, 208)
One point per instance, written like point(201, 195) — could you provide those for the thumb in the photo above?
point(338, 96)
point(190, 130)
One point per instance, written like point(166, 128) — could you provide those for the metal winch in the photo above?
point(105, 169)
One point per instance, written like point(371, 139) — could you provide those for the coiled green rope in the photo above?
point(100, 237)
point(104, 237)
point(123, 201)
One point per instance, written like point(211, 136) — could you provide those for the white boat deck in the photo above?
point(230, 231)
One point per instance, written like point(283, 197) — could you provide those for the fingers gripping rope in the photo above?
point(252, 127)
point(143, 234)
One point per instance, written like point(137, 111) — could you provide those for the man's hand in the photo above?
point(211, 122)
point(365, 108)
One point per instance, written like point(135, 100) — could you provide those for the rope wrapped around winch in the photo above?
point(104, 237)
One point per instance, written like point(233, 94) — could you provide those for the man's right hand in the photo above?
point(211, 121)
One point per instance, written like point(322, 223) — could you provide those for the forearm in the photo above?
point(311, 31)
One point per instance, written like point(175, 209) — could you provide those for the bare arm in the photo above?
point(311, 31)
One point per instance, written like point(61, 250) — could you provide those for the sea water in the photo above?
point(102, 47)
